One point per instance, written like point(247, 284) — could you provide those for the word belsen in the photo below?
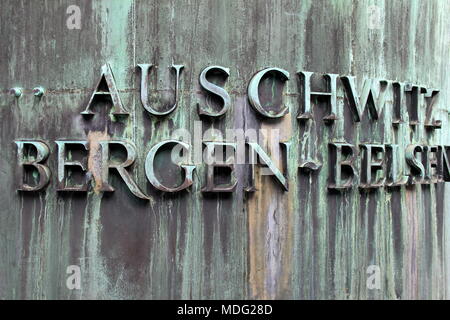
point(369, 166)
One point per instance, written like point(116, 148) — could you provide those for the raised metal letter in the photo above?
point(444, 163)
point(399, 102)
point(359, 103)
point(412, 101)
point(42, 152)
point(371, 164)
point(395, 177)
point(145, 68)
point(307, 94)
point(342, 157)
point(417, 169)
point(216, 90)
point(213, 163)
point(430, 162)
point(430, 99)
point(256, 150)
point(253, 94)
point(120, 167)
point(150, 172)
point(63, 163)
point(107, 78)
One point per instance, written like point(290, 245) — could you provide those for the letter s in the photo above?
point(214, 89)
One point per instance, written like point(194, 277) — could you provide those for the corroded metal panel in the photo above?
point(306, 237)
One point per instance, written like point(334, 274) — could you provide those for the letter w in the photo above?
point(376, 95)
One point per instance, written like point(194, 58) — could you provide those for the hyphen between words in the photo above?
point(367, 165)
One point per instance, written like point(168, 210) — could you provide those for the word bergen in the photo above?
point(378, 166)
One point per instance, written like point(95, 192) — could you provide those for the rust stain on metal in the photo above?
point(95, 157)
point(307, 242)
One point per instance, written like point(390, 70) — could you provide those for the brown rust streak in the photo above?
point(94, 159)
point(270, 211)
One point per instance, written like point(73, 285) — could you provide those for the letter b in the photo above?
point(33, 161)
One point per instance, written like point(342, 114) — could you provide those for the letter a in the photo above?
point(106, 86)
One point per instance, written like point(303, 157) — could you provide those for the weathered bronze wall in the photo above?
point(306, 243)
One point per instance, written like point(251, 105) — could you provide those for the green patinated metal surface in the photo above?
point(304, 243)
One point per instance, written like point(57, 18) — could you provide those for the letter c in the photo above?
point(253, 94)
